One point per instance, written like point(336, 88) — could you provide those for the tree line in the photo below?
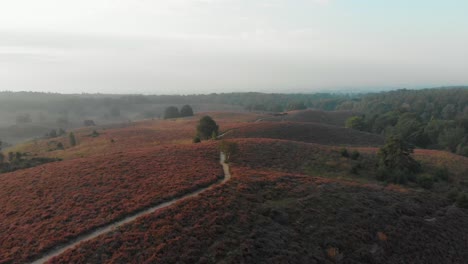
point(430, 118)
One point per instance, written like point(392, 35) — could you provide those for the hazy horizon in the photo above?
point(216, 46)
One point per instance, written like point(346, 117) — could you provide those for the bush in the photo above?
point(229, 149)
point(94, 134)
point(425, 181)
point(355, 155)
point(72, 139)
point(196, 139)
point(442, 174)
point(344, 152)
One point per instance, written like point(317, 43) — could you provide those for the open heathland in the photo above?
point(307, 132)
point(337, 118)
point(264, 216)
point(47, 205)
point(304, 189)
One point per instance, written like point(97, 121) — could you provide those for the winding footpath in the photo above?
point(113, 225)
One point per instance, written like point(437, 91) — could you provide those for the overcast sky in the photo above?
point(203, 46)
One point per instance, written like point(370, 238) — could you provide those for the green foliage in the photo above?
point(426, 181)
point(395, 161)
point(355, 155)
point(186, 110)
point(452, 137)
point(206, 128)
point(72, 139)
point(171, 112)
point(396, 155)
point(20, 160)
point(355, 122)
point(296, 106)
point(442, 174)
point(344, 152)
point(196, 139)
point(94, 134)
point(229, 149)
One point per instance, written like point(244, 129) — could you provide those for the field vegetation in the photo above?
point(48, 205)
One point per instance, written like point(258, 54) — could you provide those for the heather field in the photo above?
point(300, 192)
point(307, 132)
point(337, 118)
point(265, 216)
point(47, 205)
point(128, 136)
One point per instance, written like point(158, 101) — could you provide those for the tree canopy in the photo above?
point(207, 127)
point(186, 110)
point(171, 112)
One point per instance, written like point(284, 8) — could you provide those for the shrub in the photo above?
point(196, 139)
point(425, 181)
point(94, 134)
point(355, 155)
point(344, 152)
point(229, 149)
point(72, 139)
point(442, 174)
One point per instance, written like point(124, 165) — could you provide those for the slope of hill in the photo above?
point(265, 216)
point(337, 118)
point(128, 136)
point(306, 132)
point(289, 200)
point(48, 205)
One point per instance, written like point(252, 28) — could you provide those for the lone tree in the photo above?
point(186, 110)
point(229, 149)
point(395, 159)
point(206, 128)
point(72, 138)
point(171, 112)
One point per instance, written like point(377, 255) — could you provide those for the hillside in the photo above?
point(337, 118)
point(50, 204)
point(306, 132)
point(293, 197)
point(268, 215)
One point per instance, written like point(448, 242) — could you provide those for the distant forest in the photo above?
point(428, 118)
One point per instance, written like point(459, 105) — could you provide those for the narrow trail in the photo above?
point(113, 225)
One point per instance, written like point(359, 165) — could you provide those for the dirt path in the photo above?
point(112, 226)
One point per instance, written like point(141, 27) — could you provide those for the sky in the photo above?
point(215, 46)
